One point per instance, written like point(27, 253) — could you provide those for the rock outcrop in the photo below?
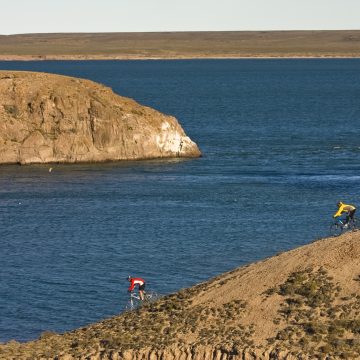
point(51, 118)
point(301, 304)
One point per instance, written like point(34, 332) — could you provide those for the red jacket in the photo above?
point(136, 281)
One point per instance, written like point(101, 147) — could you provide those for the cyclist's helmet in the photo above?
point(339, 203)
point(128, 278)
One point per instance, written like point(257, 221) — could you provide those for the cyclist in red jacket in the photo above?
point(137, 281)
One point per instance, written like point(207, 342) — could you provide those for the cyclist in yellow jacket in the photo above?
point(349, 210)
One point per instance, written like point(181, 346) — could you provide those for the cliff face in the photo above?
point(52, 118)
point(301, 304)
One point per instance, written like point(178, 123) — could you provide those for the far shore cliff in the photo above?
point(301, 304)
point(47, 118)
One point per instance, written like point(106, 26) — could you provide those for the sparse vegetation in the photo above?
point(157, 325)
point(12, 110)
point(318, 319)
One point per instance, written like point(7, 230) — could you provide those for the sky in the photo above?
point(48, 16)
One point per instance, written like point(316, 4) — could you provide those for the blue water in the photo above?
point(281, 146)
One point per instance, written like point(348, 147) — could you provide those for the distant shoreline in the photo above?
point(134, 58)
point(182, 45)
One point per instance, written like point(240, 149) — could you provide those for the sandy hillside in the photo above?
point(301, 304)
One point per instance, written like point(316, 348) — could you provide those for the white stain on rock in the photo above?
point(171, 140)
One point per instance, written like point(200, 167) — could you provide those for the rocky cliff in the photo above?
point(51, 118)
point(301, 304)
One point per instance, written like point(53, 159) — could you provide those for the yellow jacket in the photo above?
point(343, 208)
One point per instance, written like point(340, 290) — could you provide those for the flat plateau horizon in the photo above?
point(181, 45)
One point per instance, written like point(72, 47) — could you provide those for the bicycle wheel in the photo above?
point(132, 304)
point(151, 296)
point(354, 224)
point(129, 306)
point(335, 229)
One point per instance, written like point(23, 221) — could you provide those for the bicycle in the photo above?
point(135, 302)
point(338, 226)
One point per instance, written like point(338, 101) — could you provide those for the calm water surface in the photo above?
point(281, 145)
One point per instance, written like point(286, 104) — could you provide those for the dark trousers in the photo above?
point(350, 215)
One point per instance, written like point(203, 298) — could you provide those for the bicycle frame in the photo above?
point(135, 301)
point(340, 221)
point(135, 296)
point(340, 225)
